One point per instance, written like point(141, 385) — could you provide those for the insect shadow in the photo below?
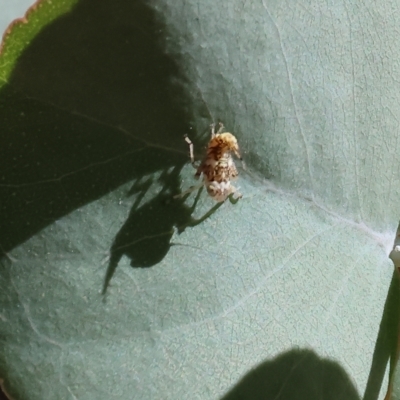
point(146, 235)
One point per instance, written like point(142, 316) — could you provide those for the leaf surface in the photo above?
point(287, 289)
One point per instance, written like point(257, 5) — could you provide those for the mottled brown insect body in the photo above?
point(218, 170)
point(218, 163)
point(218, 167)
point(222, 143)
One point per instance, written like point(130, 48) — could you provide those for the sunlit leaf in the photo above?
point(285, 292)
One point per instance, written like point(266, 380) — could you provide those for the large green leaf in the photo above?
point(19, 34)
point(286, 289)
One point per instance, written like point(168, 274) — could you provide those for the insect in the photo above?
point(217, 167)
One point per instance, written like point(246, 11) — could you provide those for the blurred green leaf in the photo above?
point(20, 33)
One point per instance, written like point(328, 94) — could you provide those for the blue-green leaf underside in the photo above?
point(285, 289)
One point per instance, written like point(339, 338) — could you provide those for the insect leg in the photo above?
point(190, 143)
point(235, 195)
point(221, 127)
point(190, 190)
point(212, 127)
point(208, 214)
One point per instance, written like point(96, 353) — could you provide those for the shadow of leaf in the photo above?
point(295, 375)
point(91, 104)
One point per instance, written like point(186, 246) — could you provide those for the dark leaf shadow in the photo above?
point(295, 375)
point(92, 103)
point(146, 235)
